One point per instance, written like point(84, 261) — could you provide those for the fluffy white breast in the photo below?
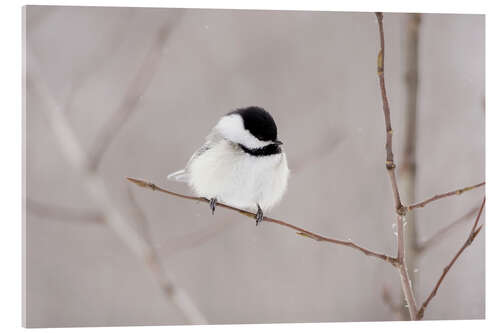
point(239, 179)
point(231, 128)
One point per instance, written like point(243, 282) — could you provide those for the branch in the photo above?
point(389, 162)
point(403, 270)
point(444, 195)
point(472, 235)
point(440, 234)
point(300, 231)
point(78, 159)
point(390, 166)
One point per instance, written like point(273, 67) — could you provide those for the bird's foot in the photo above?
point(213, 204)
point(259, 216)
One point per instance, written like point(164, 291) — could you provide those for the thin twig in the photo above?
point(391, 167)
point(441, 233)
point(299, 230)
point(472, 235)
point(444, 195)
point(389, 162)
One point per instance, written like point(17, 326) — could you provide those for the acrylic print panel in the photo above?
point(131, 92)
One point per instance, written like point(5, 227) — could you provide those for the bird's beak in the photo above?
point(278, 142)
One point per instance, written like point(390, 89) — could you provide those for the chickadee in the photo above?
point(241, 163)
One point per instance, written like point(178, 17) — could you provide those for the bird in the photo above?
point(242, 163)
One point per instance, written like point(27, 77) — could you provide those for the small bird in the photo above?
point(241, 163)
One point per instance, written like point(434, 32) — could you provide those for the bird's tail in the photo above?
point(178, 176)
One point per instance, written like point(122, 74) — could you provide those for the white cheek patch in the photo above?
point(231, 128)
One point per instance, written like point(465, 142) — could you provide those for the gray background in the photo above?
point(316, 73)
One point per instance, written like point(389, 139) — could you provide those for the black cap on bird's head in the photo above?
point(259, 123)
point(253, 128)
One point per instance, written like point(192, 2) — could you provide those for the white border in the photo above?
point(11, 167)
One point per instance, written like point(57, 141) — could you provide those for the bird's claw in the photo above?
point(213, 204)
point(259, 216)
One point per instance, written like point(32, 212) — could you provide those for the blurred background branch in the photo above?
point(132, 96)
point(107, 51)
point(95, 185)
point(408, 172)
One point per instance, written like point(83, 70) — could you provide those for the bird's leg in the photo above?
point(259, 216)
point(213, 204)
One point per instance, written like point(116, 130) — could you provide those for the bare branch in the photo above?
point(132, 96)
point(390, 166)
point(389, 162)
point(403, 271)
point(444, 195)
point(474, 227)
point(299, 230)
point(472, 235)
point(439, 235)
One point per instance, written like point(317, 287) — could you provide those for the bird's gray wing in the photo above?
point(183, 175)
